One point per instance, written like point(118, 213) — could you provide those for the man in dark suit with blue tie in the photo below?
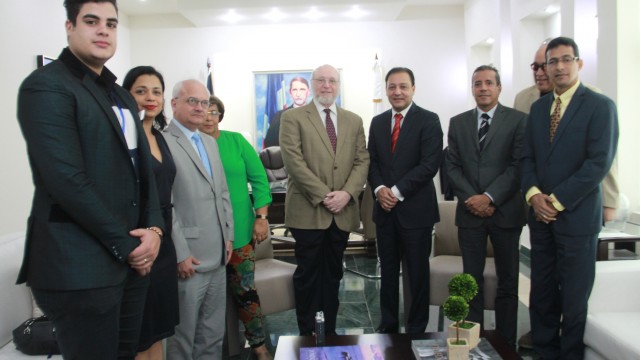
point(95, 225)
point(569, 144)
point(405, 146)
point(485, 145)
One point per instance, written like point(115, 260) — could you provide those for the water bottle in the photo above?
point(319, 328)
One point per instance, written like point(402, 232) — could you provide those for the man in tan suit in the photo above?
point(524, 100)
point(324, 151)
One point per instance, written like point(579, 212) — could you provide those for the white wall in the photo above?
point(237, 51)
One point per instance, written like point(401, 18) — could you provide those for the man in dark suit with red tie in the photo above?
point(405, 146)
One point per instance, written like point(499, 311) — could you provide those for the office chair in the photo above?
point(447, 261)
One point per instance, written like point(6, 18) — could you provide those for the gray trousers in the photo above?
point(200, 333)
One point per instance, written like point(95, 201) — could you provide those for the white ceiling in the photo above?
point(204, 13)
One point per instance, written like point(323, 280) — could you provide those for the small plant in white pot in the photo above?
point(456, 309)
point(465, 286)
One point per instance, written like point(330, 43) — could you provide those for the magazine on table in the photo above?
point(347, 352)
point(433, 349)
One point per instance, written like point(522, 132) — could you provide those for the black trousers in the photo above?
point(100, 324)
point(562, 275)
point(506, 243)
point(396, 243)
point(316, 280)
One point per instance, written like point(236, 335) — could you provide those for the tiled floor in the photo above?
point(360, 310)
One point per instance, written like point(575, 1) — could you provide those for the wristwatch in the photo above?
point(261, 216)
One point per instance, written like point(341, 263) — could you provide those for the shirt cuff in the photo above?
point(489, 196)
point(397, 193)
point(375, 191)
point(532, 191)
point(556, 204)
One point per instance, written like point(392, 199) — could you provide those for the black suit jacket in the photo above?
point(88, 194)
point(574, 164)
point(494, 169)
point(272, 137)
point(411, 168)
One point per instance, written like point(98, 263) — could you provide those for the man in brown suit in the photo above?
point(324, 151)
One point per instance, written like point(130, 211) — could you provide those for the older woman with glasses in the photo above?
point(241, 166)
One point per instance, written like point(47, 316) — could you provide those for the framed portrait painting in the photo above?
point(276, 92)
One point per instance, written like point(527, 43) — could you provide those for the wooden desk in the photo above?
point(394, 346)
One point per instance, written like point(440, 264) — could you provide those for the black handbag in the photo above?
point(36, 336)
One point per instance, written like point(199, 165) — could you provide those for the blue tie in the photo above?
point(202, 152)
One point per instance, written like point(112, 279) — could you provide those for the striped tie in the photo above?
point(484, 129)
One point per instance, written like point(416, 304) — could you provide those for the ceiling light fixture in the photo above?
point(232, 17)
point(552, 9)
point(490, 40)
point(356, 13)
point(313, 14)
point(275, 15)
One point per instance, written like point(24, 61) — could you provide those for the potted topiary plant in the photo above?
point(456, 309)
point(466, 287)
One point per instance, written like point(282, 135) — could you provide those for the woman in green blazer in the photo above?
point(241, 166)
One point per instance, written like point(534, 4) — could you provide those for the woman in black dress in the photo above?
point(161, 309)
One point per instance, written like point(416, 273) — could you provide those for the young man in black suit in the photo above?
point(405, 146)
point(485, 145)
point(95, 225)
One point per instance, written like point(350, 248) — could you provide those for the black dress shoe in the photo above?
point(387, 330)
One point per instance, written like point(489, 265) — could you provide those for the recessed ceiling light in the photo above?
point(490, 40)
point(232, 17)
point(356, 12)
point(552, 9)
point(275, 15)
point(313, 14)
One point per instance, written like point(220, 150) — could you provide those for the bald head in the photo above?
point(326, 85)
point(540, 76)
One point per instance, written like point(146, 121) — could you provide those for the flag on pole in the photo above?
point(209, 76)
point(378, 87)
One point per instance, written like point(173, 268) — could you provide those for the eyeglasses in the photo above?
point(332, 82)
point(566, 60)
point(535, 66)
point(194, 102)
point(213, 112)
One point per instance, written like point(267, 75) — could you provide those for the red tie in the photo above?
point(331, 130)
point(396, 131)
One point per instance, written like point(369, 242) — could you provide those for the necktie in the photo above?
point(331, 130)
point(396, 131)
point(484, 129)
point(202, 152)
point(555, 120)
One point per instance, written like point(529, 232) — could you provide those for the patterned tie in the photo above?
point(202, 152)
point(396, 131)
point(331, 131)
point(484, 129)
point(555, 120)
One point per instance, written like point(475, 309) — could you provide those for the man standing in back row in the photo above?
point(485, 145)
point(405, 144)
point(324, 151)
point(569, 144)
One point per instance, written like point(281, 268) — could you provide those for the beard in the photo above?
point(325, 100)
